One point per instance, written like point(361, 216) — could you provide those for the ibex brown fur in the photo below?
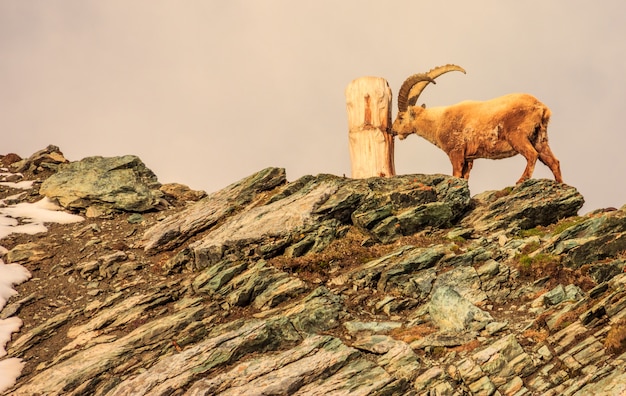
point(497, 128)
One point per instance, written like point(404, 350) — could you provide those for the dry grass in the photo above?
point(344, 252)
point(547, 265)
point(615, 341)
point(469, 347)
point(537, 335)
point(410, 334)
point(564, 224)
point(504, 192)
point(347, 252)
point(566, 319)
point(538, 294)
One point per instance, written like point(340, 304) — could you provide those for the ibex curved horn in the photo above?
point(415, 84)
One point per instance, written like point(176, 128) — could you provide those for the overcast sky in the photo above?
point(207, 92)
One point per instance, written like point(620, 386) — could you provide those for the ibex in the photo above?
point(497, 128)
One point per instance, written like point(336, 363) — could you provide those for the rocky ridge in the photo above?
point(384, 286)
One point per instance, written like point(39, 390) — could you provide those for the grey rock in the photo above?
point(495, 327)
point(263, 287)
point(560, 294)
point(135, 218)
point(527, 205)
point(113, 183)
point(181, 192)
point(594, 239)
point(308, 214)
point(14, 307)
point(399, 270)
point(99, 358)
point(451, 312)
point(403, 205)
point(465, 281)
point(396, 357)
point(204, 214)
point(210, 353)
point(612, 384)
point(31, 252)
point(354, 327)
point(312, 360)
point(216, 276)
point(606, 271)
point(40, 333)
point(428, 378)
point(489, 269)
point(48, 158)
point(482, 386)
point(319, 311)
point(444, 339)
point(554, 296)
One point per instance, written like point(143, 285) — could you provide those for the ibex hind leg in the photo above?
point(526, 149)
point(467, 167)
point(547, 157)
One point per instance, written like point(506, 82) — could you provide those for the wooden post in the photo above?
point(368, 101)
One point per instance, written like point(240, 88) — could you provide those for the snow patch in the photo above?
point(33, 216)
point(22, 185)
point(42, 211)
point(10, 369)
point(10, 275)
point(7, 327)
point(23, 218)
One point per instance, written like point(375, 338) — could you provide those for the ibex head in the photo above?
point(409, 92)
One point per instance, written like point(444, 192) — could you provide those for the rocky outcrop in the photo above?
point(114, 183)
point(307, 215)
point(590, 240)
point(179, 227)
point(394, 286)
point(47, 159)
point(529, 204)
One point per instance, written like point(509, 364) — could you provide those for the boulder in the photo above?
point(593, 238)
point(452, 312)
point(181, 192)
point(113, 183)
point(529, 204)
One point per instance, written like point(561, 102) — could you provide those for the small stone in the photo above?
point(545, 353)
point(135, 218)
point(354, 327)
point(554, 296)
point(482, 387)
point(512, 387)
point(494, 327)
point(428, 377)
point(490, 268)
point(93, 212)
